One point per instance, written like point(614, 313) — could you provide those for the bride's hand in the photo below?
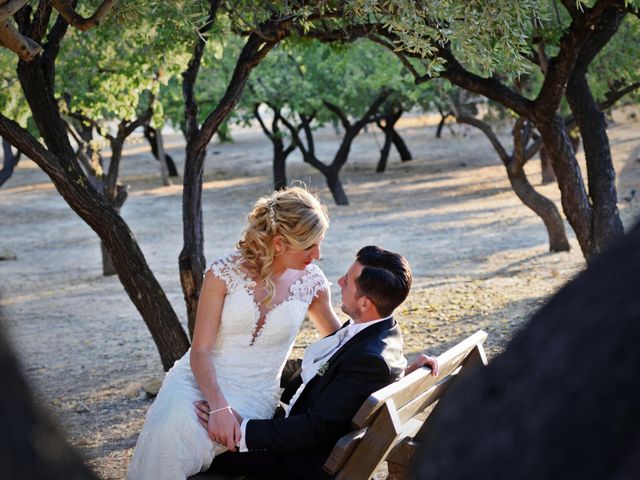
point(220, 423)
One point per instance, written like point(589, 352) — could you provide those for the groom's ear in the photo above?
point(365, 303)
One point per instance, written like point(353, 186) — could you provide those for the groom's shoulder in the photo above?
point(384, 340)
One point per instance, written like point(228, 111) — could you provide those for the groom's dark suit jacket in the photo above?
point(297, 446)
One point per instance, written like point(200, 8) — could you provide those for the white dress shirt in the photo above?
point(316, 357)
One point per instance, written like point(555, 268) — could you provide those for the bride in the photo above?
point(251, 306)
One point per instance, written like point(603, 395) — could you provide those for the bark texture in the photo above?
point(59, 162)
point(191, 259)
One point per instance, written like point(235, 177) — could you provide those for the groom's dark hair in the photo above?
point(385, 279)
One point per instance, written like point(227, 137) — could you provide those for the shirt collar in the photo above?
point(355, 328)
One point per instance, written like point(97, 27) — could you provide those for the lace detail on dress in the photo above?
point(172, 444)
point(309, 285)
point(228, 269)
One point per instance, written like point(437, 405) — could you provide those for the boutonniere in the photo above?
point(324, 366)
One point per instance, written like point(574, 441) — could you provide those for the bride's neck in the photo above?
point(277, 269)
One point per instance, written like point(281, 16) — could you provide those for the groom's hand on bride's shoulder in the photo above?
point(222, 425)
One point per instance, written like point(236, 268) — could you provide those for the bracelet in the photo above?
point(220, 409)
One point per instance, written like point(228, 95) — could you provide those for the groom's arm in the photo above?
point(330, 416)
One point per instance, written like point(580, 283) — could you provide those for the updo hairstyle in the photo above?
point(296, 215)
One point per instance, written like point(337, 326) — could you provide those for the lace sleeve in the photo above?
point(228, 270)
point(310, 285)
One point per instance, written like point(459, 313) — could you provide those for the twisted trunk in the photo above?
point(401, 146)
point(390, 137)
point(575, 202)
point(60, 164)
point(514, 165)
point(542, 206)
point(154, 137)
point(606, 225)
point(548, 175)
point(191, 259)
point(10, 162)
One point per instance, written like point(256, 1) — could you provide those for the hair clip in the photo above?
point(272, 213)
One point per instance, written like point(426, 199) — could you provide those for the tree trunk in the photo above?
point(548, 175)
point(440, 126)
point(150, 134)
point(115, 194)
point(60, 165)
point(542, 206)
point(279, 165)
point(335, 186)
point(601, 176)
point(280, 153)
point(391, 136)
point(575, 203)
point(386, 147)
point(164, 171)
point(443, 122)
point(401, 147)
point(10, 162)
point(514, 165)
point(191, 259)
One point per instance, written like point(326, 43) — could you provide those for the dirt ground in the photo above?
point(480, 259)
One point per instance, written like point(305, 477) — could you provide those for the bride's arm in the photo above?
point(223, 426)
point(322, 315)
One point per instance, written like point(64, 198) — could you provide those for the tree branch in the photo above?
point(403, 59)
point(561, 67)
point(338, 113)
point(190, 75)
point(66, 9)
point(38, 27)
point(256, 114)
point(9, 8)
point(543, 59)
point(23, 46)
point(612, 96)
point(489, 87)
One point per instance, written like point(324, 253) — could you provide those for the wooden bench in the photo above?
point(389, 424)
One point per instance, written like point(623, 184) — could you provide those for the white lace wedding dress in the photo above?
point(172, 445)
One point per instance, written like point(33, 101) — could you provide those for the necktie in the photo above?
point(338, 340)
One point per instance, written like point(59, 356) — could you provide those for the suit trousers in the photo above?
point(266, 465)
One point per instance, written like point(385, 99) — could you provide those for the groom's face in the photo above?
point(349, 290)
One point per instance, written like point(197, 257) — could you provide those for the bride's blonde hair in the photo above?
point(296, 215)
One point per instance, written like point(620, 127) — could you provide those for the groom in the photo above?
point(338, 373)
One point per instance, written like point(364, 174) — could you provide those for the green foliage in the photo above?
point(12, 102)
point(299, 76)
point(474, 28)
point(617, 65)
point(110, 72)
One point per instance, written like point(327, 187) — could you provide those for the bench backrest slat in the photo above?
point(398, 411)
point(406, 389)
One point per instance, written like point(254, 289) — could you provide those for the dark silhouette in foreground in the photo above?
point(31, 447)
point(563, 400)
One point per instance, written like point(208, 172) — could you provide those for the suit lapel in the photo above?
point(367, 333)
point(296, 379)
